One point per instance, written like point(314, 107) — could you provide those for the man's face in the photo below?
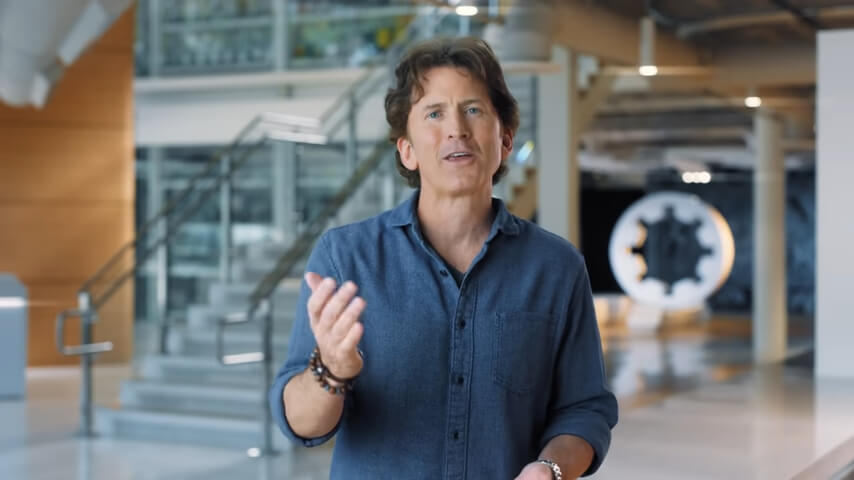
point(455, 138)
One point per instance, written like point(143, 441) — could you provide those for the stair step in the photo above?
point(253, 272)
point(165, 427)
point(234, 402)
point(238, 293)
point(206, 317)
point(183, 341)
point(203, 370)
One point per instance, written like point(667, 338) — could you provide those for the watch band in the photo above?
point(556, 473)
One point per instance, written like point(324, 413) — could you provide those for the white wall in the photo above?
point(834, 197)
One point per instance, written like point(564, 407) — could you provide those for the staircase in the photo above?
point(186, 395)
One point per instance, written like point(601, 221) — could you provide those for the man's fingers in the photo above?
point(313, 280)
point(318, 300)
point(347, 318)
point(336, 305)
point(353, 336)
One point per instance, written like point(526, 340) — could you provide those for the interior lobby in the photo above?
point(167, 166)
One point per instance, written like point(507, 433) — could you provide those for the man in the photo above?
point(473, 349)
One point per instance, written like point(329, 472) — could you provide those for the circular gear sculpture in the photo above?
point(671, 250)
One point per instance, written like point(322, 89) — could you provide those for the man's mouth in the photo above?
point(456, 156)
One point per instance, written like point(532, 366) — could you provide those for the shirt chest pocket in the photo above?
point(522, 350)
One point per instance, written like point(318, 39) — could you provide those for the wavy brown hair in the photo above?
point(472, 54)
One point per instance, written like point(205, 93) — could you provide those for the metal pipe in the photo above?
point(535, 91)
point(352, 146)
point(86, 319)
point(267, 326)
point(225, 241)
point(163, 294)
point(155, 54)
point(797, 12)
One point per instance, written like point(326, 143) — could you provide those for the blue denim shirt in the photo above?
point(466, 381)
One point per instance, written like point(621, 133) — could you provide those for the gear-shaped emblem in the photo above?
point(671, 249)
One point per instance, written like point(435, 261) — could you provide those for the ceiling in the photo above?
point(743, 44)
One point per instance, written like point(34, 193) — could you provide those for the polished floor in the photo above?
point(691, 408)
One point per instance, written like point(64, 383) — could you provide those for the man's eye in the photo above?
point(473, 110)
point(433, 115)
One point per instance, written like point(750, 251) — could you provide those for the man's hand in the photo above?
point(334, 318)
point(535, 471)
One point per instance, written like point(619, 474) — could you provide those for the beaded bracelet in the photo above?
point(322, 373)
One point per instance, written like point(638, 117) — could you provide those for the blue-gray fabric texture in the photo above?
point(459, 382)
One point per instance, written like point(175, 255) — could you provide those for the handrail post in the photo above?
point(84, 302)
point(163, 290)
point(352, 145)
point(161, 259)
point(267, 326)
point(225, 242)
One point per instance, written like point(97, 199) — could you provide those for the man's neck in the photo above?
point(456, 227)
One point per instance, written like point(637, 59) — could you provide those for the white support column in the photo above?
point(559, 177)
point(834, 190)
point(769, 241)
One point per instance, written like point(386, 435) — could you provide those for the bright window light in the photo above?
point(466, 10)
point(648, 70)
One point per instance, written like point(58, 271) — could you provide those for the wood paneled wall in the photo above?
point(67, 192)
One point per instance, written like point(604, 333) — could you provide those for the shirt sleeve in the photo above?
point(301, 344)
point(581, 403)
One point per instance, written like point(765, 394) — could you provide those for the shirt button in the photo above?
point(443, 273)
point(456, 435)
point(460, 380)
point(462, 324)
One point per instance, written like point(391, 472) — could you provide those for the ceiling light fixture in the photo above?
point(466, 10)
point(752, 100)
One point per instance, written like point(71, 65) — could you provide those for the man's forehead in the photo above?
point(469, 87)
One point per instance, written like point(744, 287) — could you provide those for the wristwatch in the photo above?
point(556, 475)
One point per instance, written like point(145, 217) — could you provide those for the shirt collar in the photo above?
point(405, 214)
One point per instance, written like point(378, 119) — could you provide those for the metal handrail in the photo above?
point(261, 299)
point(291, 257)
point(172, 226)
point(172, 205)
point(296, 129)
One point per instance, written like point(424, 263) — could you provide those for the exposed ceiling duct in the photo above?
point(526, 34)
point(40, 38)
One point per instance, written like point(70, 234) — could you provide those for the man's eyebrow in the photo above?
point(442, 104)
point(432, 106)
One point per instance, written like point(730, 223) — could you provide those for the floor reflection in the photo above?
point(691, 407)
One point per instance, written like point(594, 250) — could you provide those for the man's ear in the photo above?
point(404, 148)
point(506, 144)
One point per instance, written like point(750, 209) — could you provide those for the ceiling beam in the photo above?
point(779, 65)
point(770, 18)
point(594, 30)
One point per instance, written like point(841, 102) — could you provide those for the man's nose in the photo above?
point(458, 127)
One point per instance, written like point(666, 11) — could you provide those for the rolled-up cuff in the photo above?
point(277, 407)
